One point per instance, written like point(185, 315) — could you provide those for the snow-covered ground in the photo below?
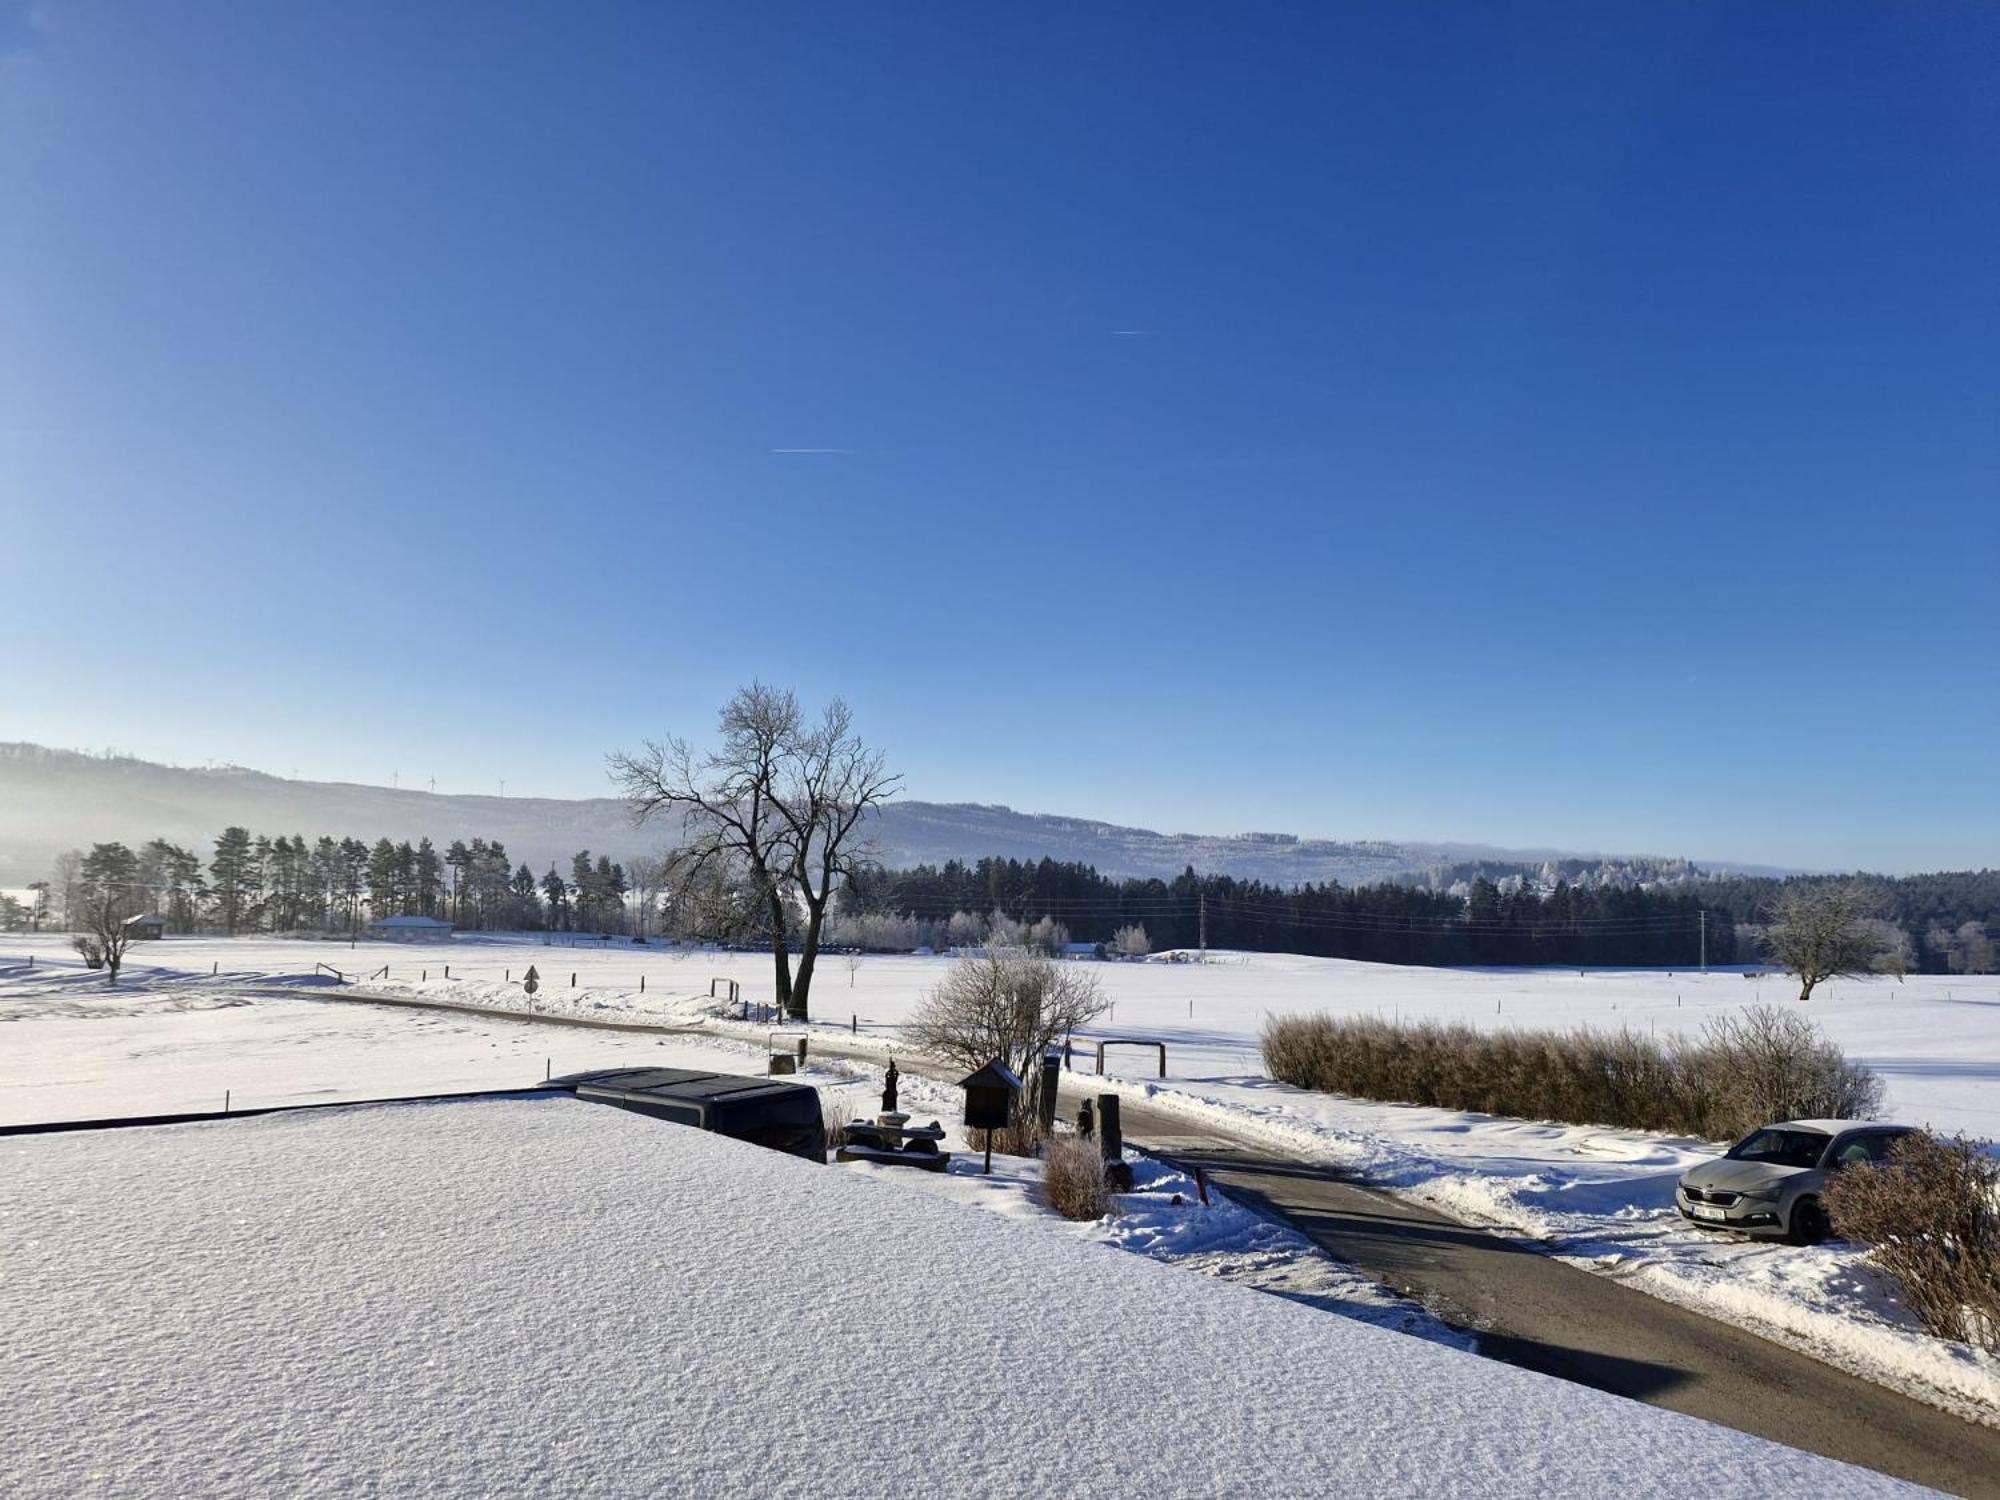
point(501, 1296)
point(1597, 1196)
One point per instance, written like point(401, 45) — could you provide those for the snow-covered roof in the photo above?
point(360, 1300)
point(145, 919)
point(409, 922)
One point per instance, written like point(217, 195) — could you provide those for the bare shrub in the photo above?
point(1932, 1214)
point(1011, 1004)
point(1023, 1137)
point(1772, 1064)
point(1073, 1178)
point(1767, 1064)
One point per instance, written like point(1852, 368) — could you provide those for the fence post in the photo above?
point(572, 979)
point(642, 984)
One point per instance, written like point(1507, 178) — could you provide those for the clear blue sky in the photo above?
point(1570, 424)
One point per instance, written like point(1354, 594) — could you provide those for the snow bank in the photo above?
point(505, 1296)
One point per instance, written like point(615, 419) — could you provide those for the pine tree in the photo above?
point(557, 895)
point(229, 871)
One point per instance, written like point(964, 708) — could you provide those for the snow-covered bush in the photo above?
point(1933, 1215)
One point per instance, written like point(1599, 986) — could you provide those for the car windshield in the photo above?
point(1787, 1148)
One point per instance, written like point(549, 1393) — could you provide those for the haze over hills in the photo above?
point(51, 800)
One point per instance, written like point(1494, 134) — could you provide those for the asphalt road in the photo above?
point(1534, 1311)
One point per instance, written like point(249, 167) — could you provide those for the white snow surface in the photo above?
point(536, 1296)
point(1597, 1196)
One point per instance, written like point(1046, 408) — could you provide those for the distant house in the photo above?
point(1082, 950)
point(409, 929)
point(144, 927)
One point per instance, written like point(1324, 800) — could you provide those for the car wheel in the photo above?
point(1809, 1223)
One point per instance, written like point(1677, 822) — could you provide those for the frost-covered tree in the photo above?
point(1131, 942)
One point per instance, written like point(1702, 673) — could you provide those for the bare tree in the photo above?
point(68, 880)
point(781, 800)
point(1820, 930)
point(1012, 1004)
point(104, 936)
point(643, 879)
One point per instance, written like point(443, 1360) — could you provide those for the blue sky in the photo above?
point(1571, 425)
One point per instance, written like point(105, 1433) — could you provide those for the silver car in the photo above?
point(1770, 1182)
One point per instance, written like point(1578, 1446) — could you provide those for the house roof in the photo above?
point(409, 922)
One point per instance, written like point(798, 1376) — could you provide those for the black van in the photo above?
point(783, 1116)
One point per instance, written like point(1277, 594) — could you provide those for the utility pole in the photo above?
point(1704, 940)
point(1204, 924)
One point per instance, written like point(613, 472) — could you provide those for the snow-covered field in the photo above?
point(498, 1296)
point(1597, 1196)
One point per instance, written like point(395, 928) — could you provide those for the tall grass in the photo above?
point(1743, 1071)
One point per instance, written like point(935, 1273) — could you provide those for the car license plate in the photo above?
point(1707, 1211)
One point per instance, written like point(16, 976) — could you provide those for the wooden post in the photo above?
point(802, 1052)
point(1110, 1134)
point(1051, 1080)
point(989, 1151)
point(1111, 1143)
point(1201, 1184)
point(642, 984)
point(572, 979)
point(225, 1101)
point(447, 971)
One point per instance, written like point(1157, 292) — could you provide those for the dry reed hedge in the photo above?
point(1742, 1071)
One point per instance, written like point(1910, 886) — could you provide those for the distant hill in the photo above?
point(51, 800)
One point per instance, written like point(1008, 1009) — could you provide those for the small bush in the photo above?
point(1073, 1178)
point(1932, 1215)
point(837, 1114)
point(1744, 1071)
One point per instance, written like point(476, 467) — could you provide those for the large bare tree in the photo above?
point(1820, 930)
point(782, 799)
